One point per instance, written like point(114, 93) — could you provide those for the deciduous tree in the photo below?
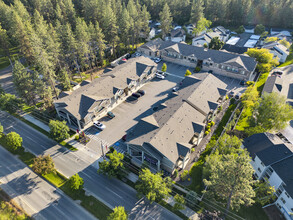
point(76, 182)
point(153, 186)
point(272, 113)
point(43, 165)
point(259, 29)
point(230, 181)
point(118, 214)
point(164, 67)
point(13, 140)
point(179, 202)
point(114, 167)
point(59, 130)
point(202, 25)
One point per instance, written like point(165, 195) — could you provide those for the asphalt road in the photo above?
point(112, 192)
point(37, 197)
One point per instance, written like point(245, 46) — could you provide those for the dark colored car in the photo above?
point(136, 95)
point(231, 94)
point(243, 83)
point(111, 115)
point(142, 92)
point(278, 72)
point(131, 99)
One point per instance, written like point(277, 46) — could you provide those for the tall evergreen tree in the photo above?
point(197, 9)
point(166, 20)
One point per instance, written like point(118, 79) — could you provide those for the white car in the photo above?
point(137, 54)
point(99, 125)
point(175, 89)
point(157, 60)
point(159, 76)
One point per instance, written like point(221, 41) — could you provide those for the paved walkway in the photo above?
point(187, 211)
point(36, 122)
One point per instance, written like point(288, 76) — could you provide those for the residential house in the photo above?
point(273, 84)
point(218, 62)
point(164, 139)
point(272, 160)
point(278, 50)
point(220, 32)
point(284, 32)
point(93, 100)
point(176, 35)
point(190, 28)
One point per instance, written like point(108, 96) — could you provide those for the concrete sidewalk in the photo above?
point(36, 122)
point(187, 211)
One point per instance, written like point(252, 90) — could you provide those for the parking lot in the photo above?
point(129, 113)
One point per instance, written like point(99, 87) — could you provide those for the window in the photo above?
point(262, 164)
point(259, 170)
point(287, 194)
point(242, 72)
point(279, 206)
point(256, 176)
point(283, 200)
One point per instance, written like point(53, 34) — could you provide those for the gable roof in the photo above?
point(81, 101)
point(247, 63)
point(174, 123)
point(157, 44)
point(273, 84)
point(179, 32)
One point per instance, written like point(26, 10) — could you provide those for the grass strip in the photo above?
point(63, 143)
point(90, 203)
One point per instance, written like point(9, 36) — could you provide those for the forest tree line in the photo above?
point(59, 38)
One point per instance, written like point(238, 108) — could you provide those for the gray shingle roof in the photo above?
point(216, 56)
point(177, 33)
point(82, 100)
point(174, 123)
point(273, 84)
point(285, 172)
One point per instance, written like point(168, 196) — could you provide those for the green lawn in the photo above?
point(289, 60)
point(90, 203)
point(196, 177)
point(254, 212)
point(56, 179)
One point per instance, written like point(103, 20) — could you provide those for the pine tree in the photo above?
point(4, 43)
point(197, 9)
point(166, 20)
point(23, 82)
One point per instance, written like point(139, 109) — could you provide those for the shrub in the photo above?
point(226, 97)
point(197, 69)
point(249, 83)
point(76, 137)
point(209, 130)
point(111, 149)
point(209, 124)
point(212, 123)
point(175, 173)
point(184, 175)
point(188, 179)
point(187, 73)
point(206, 132)
point(192, 150)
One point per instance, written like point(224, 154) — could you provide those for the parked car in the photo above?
point(231, 94)
point(136, 95)
point(160, 76)
point(157, 60)
point(110, 114)
point(243, 83)
point(99, 125)
point(124, 59)
point(175, 89)
point(278, 72)
point(238, 96)
point(142, 92)
point(137, 54)
point(131, 99)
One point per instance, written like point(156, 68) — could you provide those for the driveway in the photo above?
point(6, 80)
point(128, 114)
